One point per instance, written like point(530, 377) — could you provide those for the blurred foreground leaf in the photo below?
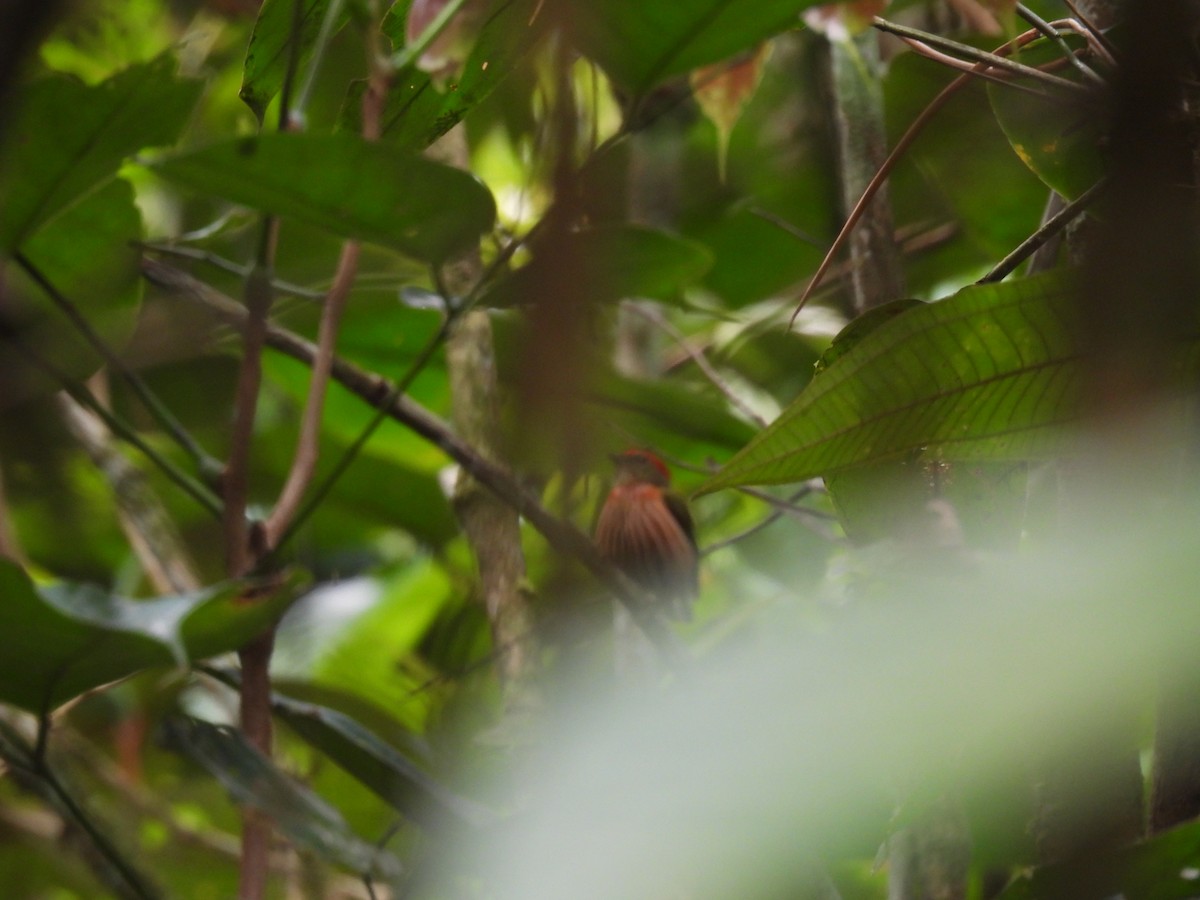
point(58, 641)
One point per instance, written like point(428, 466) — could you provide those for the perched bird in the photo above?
point(646, 531)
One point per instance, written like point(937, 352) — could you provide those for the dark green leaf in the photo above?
point(418, 112)
point(87, 253)
point(1058, 138)
point(253, 780)
point(67, 137)
point(640, 44)
point(270, 47)
point(347, 185)
point(61, 640)
point(378, 765)
point(610, 262)
point(990, 373)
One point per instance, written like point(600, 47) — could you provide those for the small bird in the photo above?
point(646, 531)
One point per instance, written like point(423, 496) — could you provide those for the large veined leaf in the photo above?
point(991, 373)
point(640, 44)
point(349, 186)
point(253, 780)
point(271, 46)
point(68, 136)
point(57, 642)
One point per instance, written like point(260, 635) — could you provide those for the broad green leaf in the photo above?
point(67, 137)
point(270, 47)
point(640, 44)
point(347, 185)
point(253, 780)
point(609, 262)
point(990, 373)
point(57, 642)
point(418, 112)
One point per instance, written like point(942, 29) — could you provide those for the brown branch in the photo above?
point(375, 390)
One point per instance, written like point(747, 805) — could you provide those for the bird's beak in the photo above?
point(615, 458)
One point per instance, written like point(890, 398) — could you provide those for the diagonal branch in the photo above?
point(563, 536)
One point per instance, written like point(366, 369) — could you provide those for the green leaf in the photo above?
point(1166, 867)
point(1057, 137)
point(72, 136)
point(253, 780)
point(378, 765)
point(640, 44)
point(270, 47)
point(610, 262)
point(87, 252)
point(417, 112)
point(990, 373)
point(57, 642)
point(347, 185)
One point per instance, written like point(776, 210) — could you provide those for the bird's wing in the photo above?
point(679, 512)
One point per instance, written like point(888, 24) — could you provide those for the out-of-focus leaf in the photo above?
point(379, 765)
point(417, 112)
point(964, 164)
point(1058, 138)
point(990, 373)
point(59, 641)
point(611, 262)
point(376, 763)
point(640, 44)
point(270, 47)
point(67, 137)
point(253, 780)
point(349, 186)
point(87, 252)
point(1166, 867)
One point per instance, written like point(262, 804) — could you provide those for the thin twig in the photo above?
point(1054, 35)
point(990, 60)
point(1056, 224)
point(697, 356)
point(228, 265)
point(205, 464)
point(304, 463)
point(1093, 29)
point(122, 429)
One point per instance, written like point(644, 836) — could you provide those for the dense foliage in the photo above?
point(318, 320)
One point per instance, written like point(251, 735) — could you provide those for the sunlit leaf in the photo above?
point(347, 185)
